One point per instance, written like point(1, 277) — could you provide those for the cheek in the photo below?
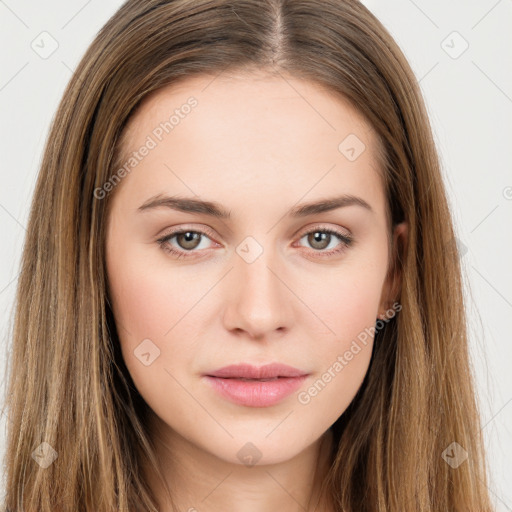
point(147, 302)
point(348, 305)
point(328, 395)
point(343, 357)
point(346, 301)
point(151, 317)
point(149, 307)
point(150, 298)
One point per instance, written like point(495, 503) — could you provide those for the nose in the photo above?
point(258, 300)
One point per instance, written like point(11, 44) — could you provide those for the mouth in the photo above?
point(252, 386)
point(251, 380)
point(250, 372)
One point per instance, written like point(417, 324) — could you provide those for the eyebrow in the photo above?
point(214, 209)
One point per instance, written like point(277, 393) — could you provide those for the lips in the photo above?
point(253, 386)
point(247, 371)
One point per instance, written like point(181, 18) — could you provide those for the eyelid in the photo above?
point(346, 239)
point(325, 227)
point(183, 228)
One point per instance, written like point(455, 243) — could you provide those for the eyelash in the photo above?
point(346, 241)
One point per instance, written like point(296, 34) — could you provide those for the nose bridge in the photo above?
point(258, 300)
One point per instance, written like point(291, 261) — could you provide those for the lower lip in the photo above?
point(256, 393)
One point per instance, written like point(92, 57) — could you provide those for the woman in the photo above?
point(184, 337)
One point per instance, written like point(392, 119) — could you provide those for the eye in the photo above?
point(187, 240)
point(321, 238)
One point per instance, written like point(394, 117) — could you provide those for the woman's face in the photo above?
point(255, 277)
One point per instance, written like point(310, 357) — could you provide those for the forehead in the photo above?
point(251, 131)
point(257, 103)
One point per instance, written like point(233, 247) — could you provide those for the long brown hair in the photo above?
point(70, 395)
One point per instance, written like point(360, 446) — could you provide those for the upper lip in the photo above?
point(248, 371)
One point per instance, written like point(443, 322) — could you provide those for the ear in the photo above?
point(393, 283)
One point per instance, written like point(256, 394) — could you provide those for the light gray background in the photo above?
point(469, 98)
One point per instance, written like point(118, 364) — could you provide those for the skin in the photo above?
point(258, 145)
